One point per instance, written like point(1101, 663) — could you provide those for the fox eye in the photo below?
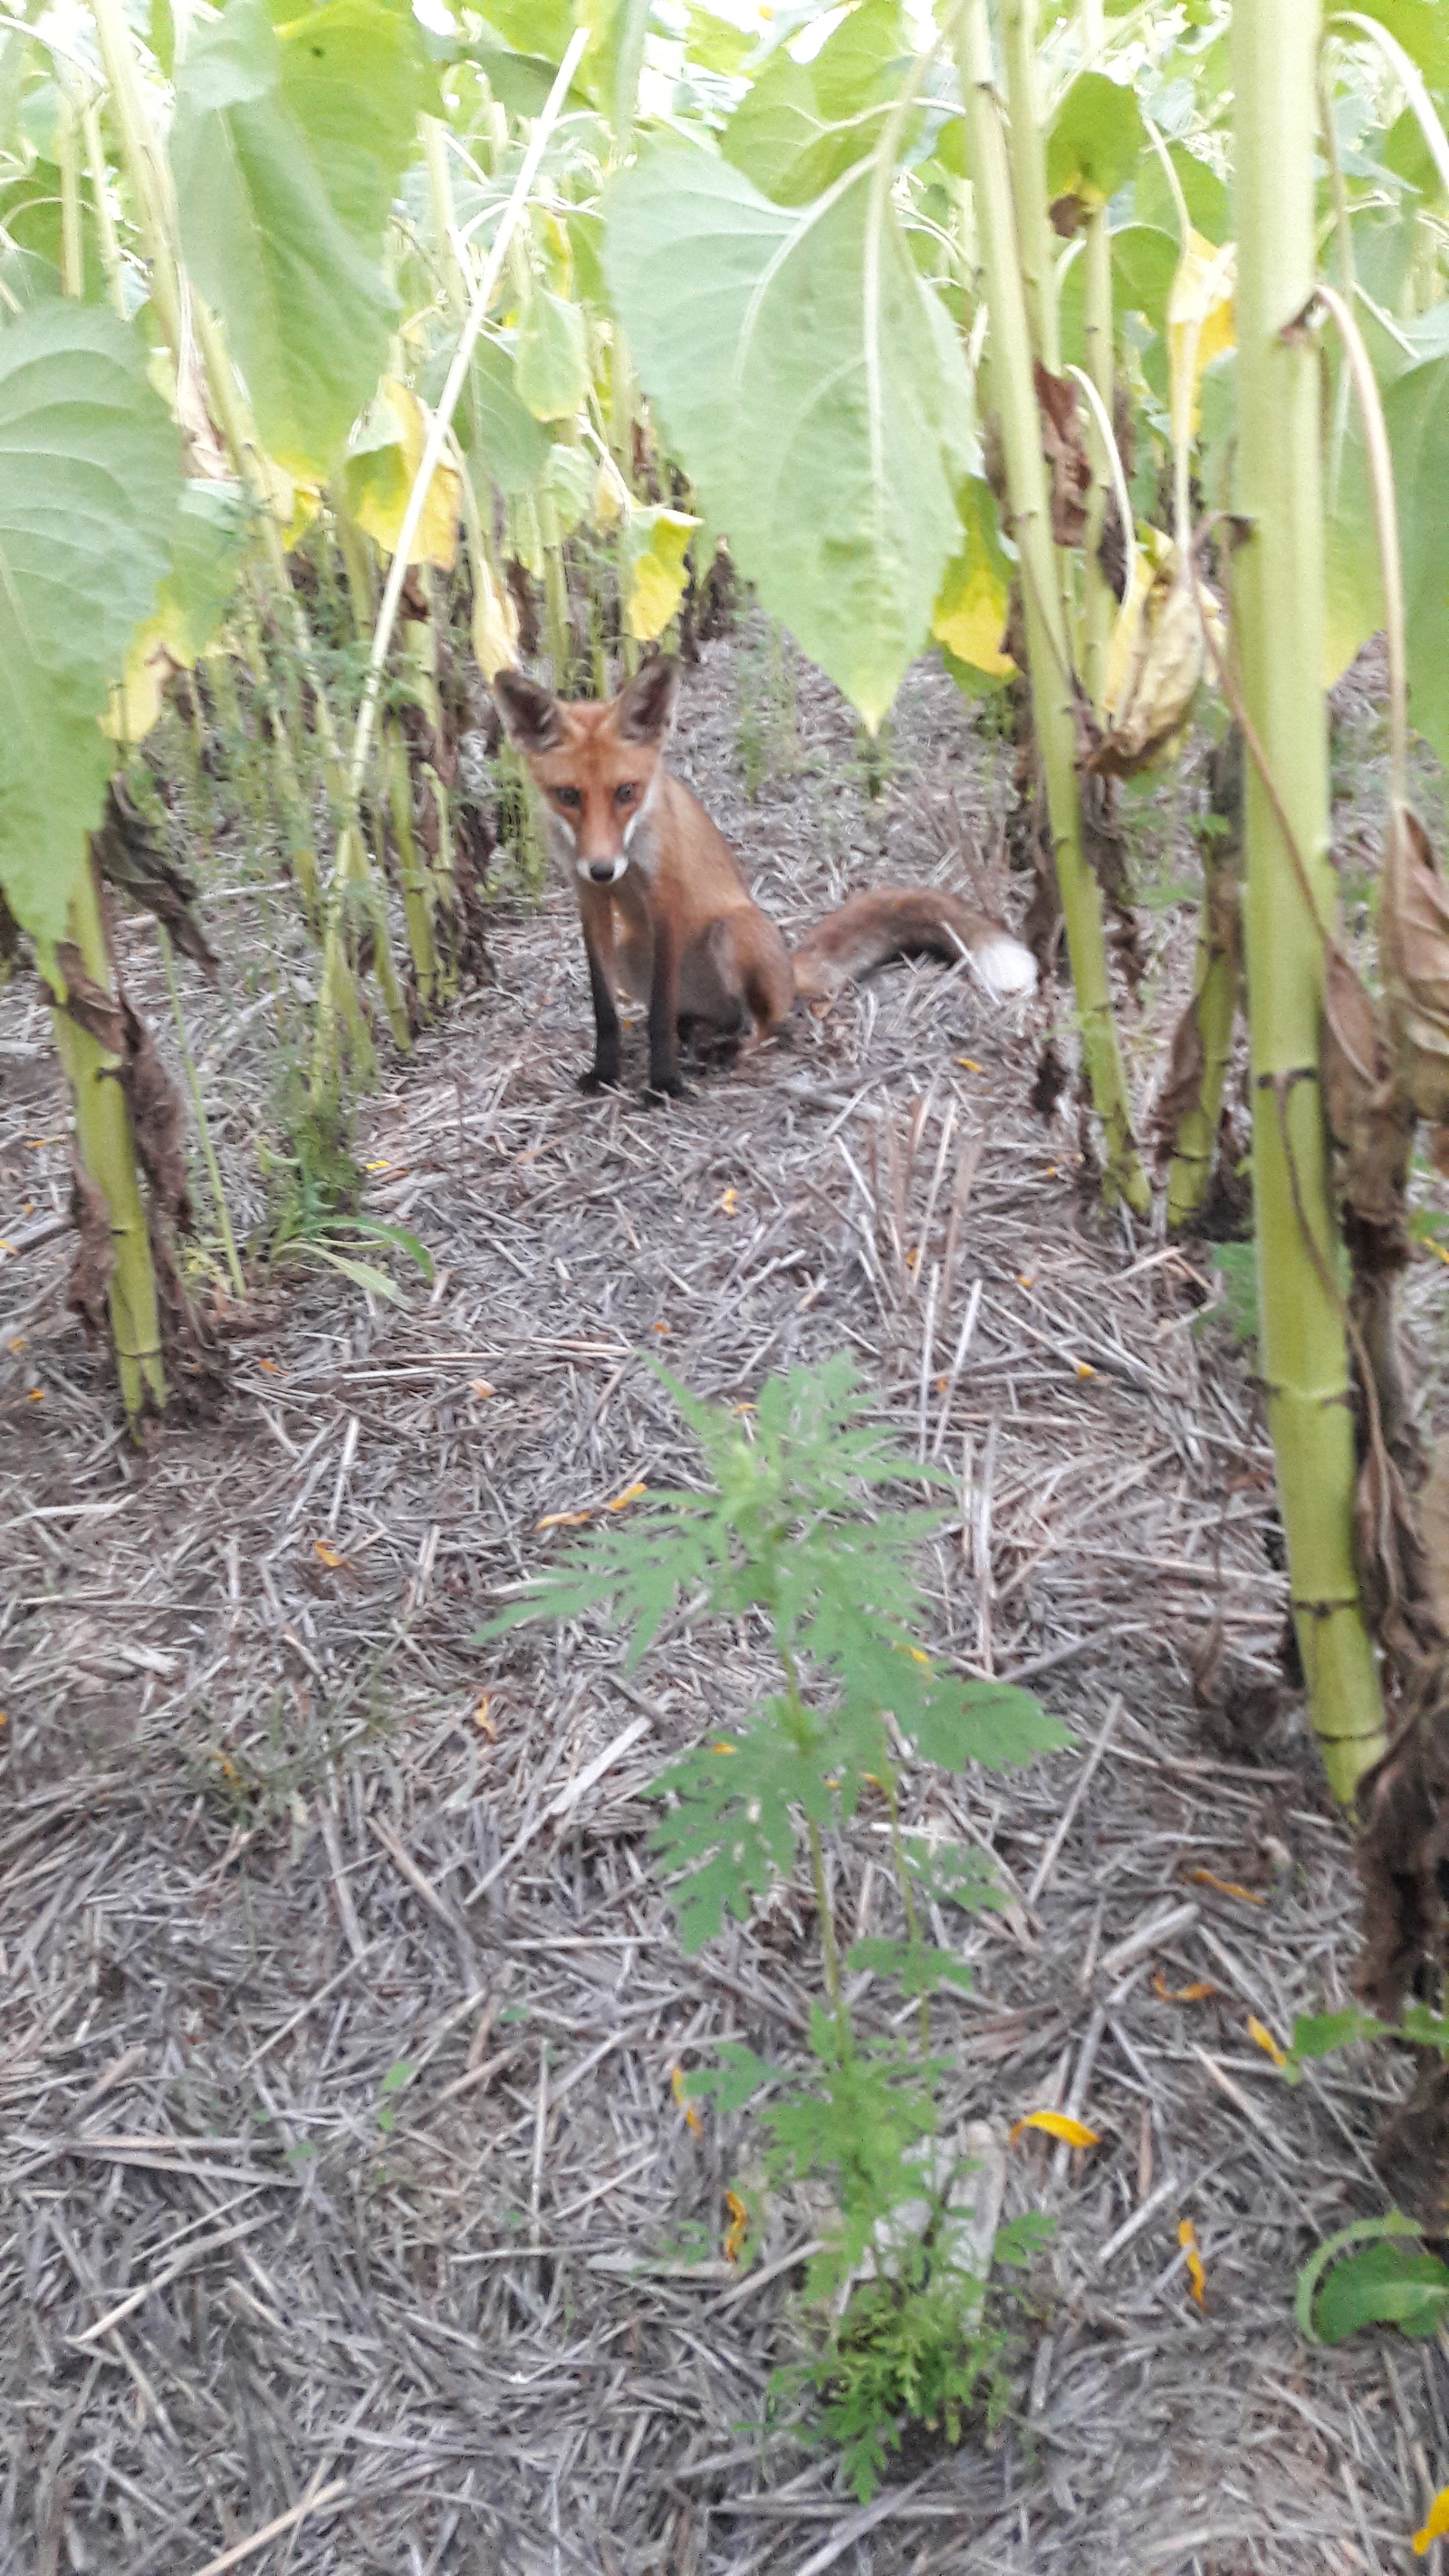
point(625, 792)
point(566, 796)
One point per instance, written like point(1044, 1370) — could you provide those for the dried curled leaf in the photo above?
point(130, 857)
point(1065, 451)
point(1182, 1083)
point(1414, 945)
point(1156, 662)
point(89, 1283)
point(1367, 1114)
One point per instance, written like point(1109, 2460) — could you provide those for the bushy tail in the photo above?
point(917, 921)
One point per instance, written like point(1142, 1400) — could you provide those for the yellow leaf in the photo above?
point(481, 1386)
point(1201, 323)
point(379, 472)
point(630, 1494)
point(969, 1062)
point(1436, 2524)
point(329, 1555)
point(722, 1747)
point(1262, 2037)
point(655, 571)
point(1156, 659)
point(692, 2120)
point(970, 612)
point(563, 1520)
point(1187, 2239)
point(383, 1166)
point(495, 625)
point(1084, 1368)
point(1194, 1994)
point(37, 1395)
point(482, 1718)
point(661, 1328)
point(611, 494)
point(1058, 2124)
point(729, 1202)
point(738, 2227)
point(17, 1341)
point(134, 706)
point(970, 617)
point(1224, 1886)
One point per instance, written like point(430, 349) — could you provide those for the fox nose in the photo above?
point(602, 871)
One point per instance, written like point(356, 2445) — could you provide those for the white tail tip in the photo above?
point(1006, 968)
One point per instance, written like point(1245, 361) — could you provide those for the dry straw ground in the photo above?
point(343, 2188)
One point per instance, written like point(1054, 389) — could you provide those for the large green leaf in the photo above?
point(552, 356)
point(1416, 412)
point(286, 148)
point(801, 125)
point(505, 443)
point(1096, 141)
point(89, 484)
point(813, 389)
point(1385, 2285)
point(1422, 28)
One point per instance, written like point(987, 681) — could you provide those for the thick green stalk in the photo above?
point(1278, 623)
point(107, 1150)
point(1026, 150)
point(1052, 681)
point(1099, 607)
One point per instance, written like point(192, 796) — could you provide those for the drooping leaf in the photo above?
point(286, 147)
point(89, 484)
point(570, 477)
point(800, 125)
point(1096, 141)
point(1206, 194)
point(552, 356)
point(1201, 323)
point(381, 468)
point(506, 445)
point(970, 614)
point(654, 569)
point(207, 540)
point(794, 354)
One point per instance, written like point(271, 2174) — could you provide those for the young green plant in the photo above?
point(792, 1534)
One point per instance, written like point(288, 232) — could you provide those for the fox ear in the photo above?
point(644, 712)
point(532, 720)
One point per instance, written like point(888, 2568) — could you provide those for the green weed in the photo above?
point(792, 1527)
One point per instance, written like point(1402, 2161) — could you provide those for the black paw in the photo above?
point(666, 1086)
point(595, 1081)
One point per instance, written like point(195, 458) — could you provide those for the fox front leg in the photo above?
point(603, 1073)
point(664, 1081)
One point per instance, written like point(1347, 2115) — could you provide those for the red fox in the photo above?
point(665, 910)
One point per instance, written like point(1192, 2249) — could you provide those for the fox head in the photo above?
point(596, 766)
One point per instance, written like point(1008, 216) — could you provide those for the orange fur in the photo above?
point(664, 908)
